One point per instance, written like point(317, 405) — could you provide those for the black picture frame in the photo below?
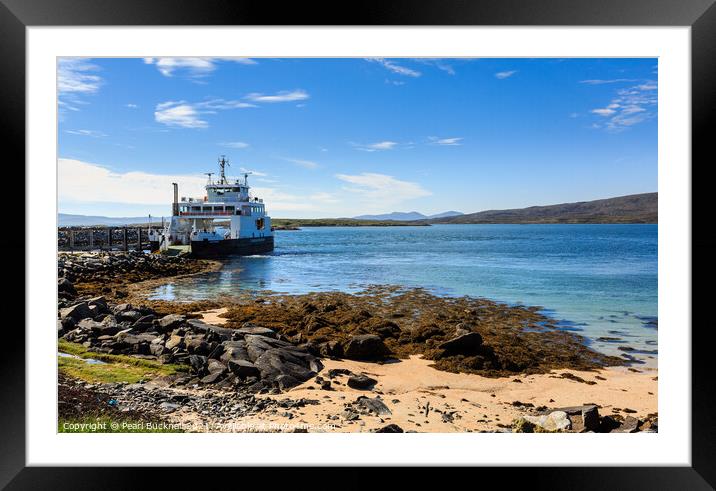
point(700, 15)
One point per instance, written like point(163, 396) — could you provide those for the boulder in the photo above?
point(391, 428)
point(169, 322)
point(233, 350)
point(212, 378)
point(174, 341)
point(365, 347)
point(554, 421)
point(198, 363)
point(251, 329)
point(65, 286)
point(361, 382)
point(276, 362)
point(243, 369)
point(214, 366)
point(285, 382)
point(195, 343)
point(465, 344)
point(375, 406)
point(77, 312)
point(590, 418)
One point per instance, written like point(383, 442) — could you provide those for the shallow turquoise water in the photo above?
point(600, 280)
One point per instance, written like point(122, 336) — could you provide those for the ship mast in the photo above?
point(223, 162)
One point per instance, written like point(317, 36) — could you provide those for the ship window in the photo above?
point(229, 208)
point(196, 208)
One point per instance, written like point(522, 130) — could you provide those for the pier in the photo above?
point(103, 238)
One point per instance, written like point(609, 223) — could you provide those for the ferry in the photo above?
point(227, 221)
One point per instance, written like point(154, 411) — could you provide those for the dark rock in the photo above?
point(334, 372)
point(629, 425)
point(375, 406)
point(214, 366)
point(286, 381)
point(365, 347)
point(361, 382)
point(212, 378)
point(76, 312)
point(198, 363)
point(65, 286)
point(466, 344)
point(196, 344)
point(251, 329)
point(169, 322)
point(243, 368)
point(590, 418)
point(391, 428)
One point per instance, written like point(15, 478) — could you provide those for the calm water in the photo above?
point(600, 280)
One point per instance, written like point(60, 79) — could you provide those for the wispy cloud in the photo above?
point(184, 114)
point(377, 146)
point(131, 106)
point(629, 107)
point(505, 74)
point(284, 96)
point(306, 164)
point(92, 133)
point(76, 77)
point(434, 140)
point(253, 172)
point(438, 63)
point(394, 67)
point(193, 67)
point(382, 188)
point(237, 145)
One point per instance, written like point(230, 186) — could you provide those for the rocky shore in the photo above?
point(312, 360)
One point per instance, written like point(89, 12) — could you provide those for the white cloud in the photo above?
point(372, 147)
point(630, 106)
point(382, 189)
point(92, 133)
point(131, 106)
point(87, 182)
point(237, 145)
point(284, 96)
point(179, 114)
point(445, 141)
point(74, 76)
point(505, 74)
point(306, 164)
point(395, 68)
point(191, 66)
point(252, 172)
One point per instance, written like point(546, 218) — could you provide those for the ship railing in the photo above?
point(205, 213)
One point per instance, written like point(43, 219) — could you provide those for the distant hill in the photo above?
point(66, 220)
point(635, 208)
point(407, 216)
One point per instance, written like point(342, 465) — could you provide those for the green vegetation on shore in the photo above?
point(116, 368)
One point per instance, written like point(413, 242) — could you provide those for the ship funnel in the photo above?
point(175, 204)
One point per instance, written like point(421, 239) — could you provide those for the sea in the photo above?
point(599, 281)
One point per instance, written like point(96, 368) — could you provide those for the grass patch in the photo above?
point(107, 424)
point(117, 368)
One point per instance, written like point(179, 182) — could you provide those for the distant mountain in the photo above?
point(403, 216)
point(66, 220)
point(635, 208)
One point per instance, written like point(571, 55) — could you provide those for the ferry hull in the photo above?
point(232, 247)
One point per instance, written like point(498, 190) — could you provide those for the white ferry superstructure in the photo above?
point(193, 220)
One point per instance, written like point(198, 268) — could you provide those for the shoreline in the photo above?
point(488, 383)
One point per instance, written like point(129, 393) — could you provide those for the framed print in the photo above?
point(268, 238)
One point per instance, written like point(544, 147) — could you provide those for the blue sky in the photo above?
point(345, 137)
